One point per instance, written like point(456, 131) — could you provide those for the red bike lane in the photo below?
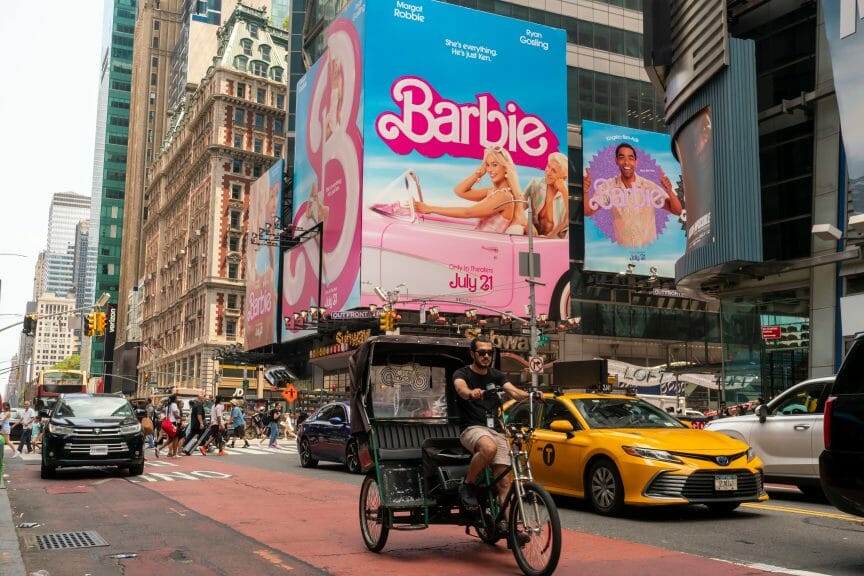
point(316, 521)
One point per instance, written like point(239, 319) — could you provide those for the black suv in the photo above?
point(92, 430)
point(841, 464)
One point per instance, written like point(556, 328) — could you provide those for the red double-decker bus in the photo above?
point(52, 383)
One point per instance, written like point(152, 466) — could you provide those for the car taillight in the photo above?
point(826, 423)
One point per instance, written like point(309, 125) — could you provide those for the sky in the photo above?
point(48, 102)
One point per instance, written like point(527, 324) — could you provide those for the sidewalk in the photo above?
point(11, 563)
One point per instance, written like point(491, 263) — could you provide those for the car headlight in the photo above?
point(651, 454)
point(751, 454)
point(62, 430)
point(131, 428)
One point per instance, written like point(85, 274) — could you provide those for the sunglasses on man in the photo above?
point(483, 352)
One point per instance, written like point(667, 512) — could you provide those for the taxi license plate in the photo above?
point(725, 482)
point(100, 450)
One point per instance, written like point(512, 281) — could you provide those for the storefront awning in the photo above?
point(331, 362)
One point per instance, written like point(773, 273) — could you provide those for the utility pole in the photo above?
point(532, 304)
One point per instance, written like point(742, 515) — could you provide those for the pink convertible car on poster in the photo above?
point(436, 257)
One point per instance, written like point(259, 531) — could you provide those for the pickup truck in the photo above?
point(841, 464)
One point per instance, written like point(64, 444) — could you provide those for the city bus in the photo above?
point(53, 382)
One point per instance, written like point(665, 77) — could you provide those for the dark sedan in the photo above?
point(326, 435)
point(93, 430)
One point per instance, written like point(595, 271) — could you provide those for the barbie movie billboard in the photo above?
point(421, 150)
point(262, 266)
point(633, 203)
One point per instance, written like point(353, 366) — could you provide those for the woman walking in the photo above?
point(275, 418)
point(6, 427)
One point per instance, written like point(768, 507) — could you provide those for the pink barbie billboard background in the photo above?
point(262, 264)
point(423, 134)
point(464, 126)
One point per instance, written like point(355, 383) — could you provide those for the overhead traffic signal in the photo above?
point(29, 327)
point(99, 328)
point(385, 321)
point(90, 324)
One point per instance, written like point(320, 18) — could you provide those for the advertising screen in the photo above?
point(262, 264)
point(324, 270)
point(844, 28)
point(464, 126)
point(634, 209)
point(694, 146)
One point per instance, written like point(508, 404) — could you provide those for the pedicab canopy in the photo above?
point(404, 378)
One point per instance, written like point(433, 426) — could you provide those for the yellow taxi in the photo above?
point(617, 450)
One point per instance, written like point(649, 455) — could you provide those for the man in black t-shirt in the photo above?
point(481, 433)
point(196, 422)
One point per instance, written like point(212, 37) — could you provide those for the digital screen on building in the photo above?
point(262, 262)
point(420, 148)
point(694, 147)
point(634, 207)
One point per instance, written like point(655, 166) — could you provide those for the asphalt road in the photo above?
point(259, 512)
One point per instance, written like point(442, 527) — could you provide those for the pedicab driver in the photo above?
point(481, 431)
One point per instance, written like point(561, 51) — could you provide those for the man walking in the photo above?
point(28, 416)
point(196, 423)
point(217, 428)
point(238, 423)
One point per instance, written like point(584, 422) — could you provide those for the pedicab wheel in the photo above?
point(373, 517)
point(535, 532)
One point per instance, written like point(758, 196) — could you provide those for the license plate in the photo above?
point(99, 450)
point(725, 482)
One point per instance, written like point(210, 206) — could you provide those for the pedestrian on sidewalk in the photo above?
point(27, 418)
point(6, 428)
point(217, 428)
point(170, 425)
point(275, 419)
point(150, 414)
point(238, 423)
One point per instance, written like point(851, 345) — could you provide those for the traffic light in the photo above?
point(385, 321)
point(29, 327)
point(89, 324)
point(99, 329)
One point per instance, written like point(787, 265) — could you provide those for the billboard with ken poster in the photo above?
point(634, 209)
point(262, 264)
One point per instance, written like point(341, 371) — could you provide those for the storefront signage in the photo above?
point(503, 342)
point(770, 332)
point(354, 314)
point(345, 341)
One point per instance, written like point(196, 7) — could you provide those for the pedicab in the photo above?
point(407, 427)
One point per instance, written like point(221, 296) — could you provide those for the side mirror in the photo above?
point(762, 412)
point(563, 426)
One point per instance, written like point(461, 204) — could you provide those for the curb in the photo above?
point(11, 563)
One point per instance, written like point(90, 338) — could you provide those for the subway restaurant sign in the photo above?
point(504, 342)
point(345, 341)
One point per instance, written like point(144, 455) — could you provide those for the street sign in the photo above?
point(535, 364)
point(245, 383)
point(290, 393)
point(770, 332)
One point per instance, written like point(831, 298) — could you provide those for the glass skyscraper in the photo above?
point(67, 211)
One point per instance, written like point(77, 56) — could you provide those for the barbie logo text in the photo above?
point(435, 126)
point(607, 196)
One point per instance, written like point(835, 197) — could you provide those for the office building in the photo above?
point(66, 211)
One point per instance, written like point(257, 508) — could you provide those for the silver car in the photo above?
point(786, 433)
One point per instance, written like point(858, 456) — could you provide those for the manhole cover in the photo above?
point(65, 540)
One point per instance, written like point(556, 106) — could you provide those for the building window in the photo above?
point(150, 136)
point(265, 52)
point(231, 328)
point(280, 101)
point(258, 145)
point(153, 79)
point(152, 97)
point(239, 116)
point(259, 68)
point(156, 42)
point(241, 90)
point(240, 62)
point(154, 61)
point(259, 121)
point(277, 126)
point(156, 24)
point(256, 171)
point(276, 73)
point(232, 301)
point(234, 219)
point(261, 95)
point(236, 191)
point(247, 46)
point(232, 270)
point(237, 166)
point(233, 243)
point(253, 30)
point(151, 116)
point(238, 141)
point(277, 150)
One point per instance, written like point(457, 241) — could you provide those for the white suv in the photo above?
point(786, 434)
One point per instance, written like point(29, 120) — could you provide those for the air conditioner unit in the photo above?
point(182, 252)
point(198, 232)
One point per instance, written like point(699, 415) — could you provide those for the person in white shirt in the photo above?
point(217, 428)
point(27, 418)
point(6, 428)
